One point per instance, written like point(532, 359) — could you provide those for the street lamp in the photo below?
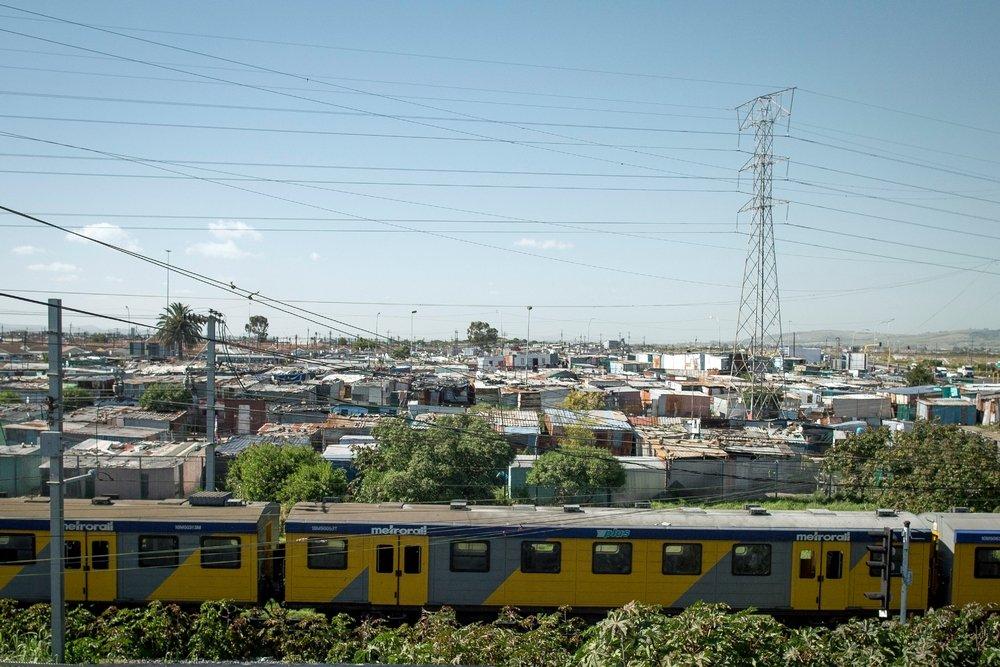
point(589, 322)
point(168, 278)
point(527, 346)
point(412, 341)
point(377, 315)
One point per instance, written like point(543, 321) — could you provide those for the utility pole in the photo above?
point(168, 278)
point(759, 322)
point(413, 344)
point(527, 346)
point(210, 407)
point(52, 447)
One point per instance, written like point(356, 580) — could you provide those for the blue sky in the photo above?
point(641, 239)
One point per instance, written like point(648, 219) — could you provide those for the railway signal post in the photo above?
point(880, 559)
point(905, 573)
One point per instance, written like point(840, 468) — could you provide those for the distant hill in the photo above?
point(978, 339)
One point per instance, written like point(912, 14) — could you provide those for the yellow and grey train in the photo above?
point(402, 557)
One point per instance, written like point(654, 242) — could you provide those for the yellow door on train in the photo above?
point(74, 564)
point(102, 572)
point(383, 584)
point(805, 575)
point(412, 566)
point(89, 567)
point(399, 571)
point(833, 575)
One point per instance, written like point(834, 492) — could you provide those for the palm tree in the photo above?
point(179, 326)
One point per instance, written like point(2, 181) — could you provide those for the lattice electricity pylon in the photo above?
point(758, 329)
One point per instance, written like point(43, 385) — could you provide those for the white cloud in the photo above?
point(54, 267)
point(233, 229)
point(66, 278)
point(108, 233)
point(226, 233)
point(114, 279)
point(543, 244)
point(217, 250)
point(314, 256)
point(26, 250)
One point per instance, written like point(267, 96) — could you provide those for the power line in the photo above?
point(347, 167)
point(901, 111)
point(384, 52)
point(246, 107)
point(879, 156)
point(379, 81)
point(359, 217)
point(341, 106)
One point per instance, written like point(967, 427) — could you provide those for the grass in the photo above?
point(783, 503)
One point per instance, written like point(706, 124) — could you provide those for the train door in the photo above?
point(806, 583)
point(89, 566)
point(399, 571)
point(818, 570)
point(836, 558)
point(412, 565)
point(102, 570)
point(74, 575)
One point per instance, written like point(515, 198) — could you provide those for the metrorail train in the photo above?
point(399, 558)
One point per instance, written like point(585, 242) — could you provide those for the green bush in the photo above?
point(636, 635)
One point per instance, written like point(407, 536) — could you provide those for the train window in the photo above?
point(17, 548)
point(326, 554)
point(834, 565)
point(987, 563)
point(681, 559)
point(541, 557)
point(612, 558)
point(807, 564)
point(221, 553)
point(752, 560)
point(158, 551)
point(411, 559)
point(73, 554)
point(100, 555)
point(470, 556)
point(385, 558)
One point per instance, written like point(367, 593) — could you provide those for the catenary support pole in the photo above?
point(210, 407)
point(52, 447)
point(905, 573)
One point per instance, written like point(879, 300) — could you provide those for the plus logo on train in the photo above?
point(612, 533)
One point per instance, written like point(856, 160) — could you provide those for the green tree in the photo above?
point(364, 344)
point(8, 397)
point(287, 474)
point(579, 401)
point(179, 326)
point(401, 352)
point(341, 341)
point(932, 468)
point(920, 374)
point(457, 456)
point(577, 469)
point(76, 397)
point(257, 327)
point(165, 397)
point(481, 333)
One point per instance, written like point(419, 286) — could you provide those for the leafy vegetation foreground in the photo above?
point(635, 635)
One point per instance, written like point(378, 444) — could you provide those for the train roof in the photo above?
point(584, 521)
point(124, 515)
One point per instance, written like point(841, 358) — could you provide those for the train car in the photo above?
point(968, 552)
point(478, 557)
point(188, 550)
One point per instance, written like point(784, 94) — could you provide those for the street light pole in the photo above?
point(413, 343)
point(168, 279)
point(527, 346)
